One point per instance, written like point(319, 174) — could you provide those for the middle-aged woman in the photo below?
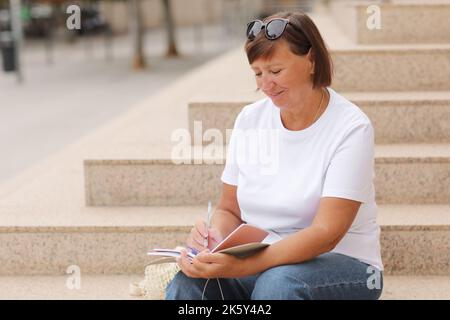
point(318, 195)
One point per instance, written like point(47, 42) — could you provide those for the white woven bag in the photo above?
point(157, 277)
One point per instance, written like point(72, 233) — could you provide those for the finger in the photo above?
point(194, 245)
point(200, 225)
point(202, 269)
point(184, 258)
point(207, 257)
point(197, 237)
point(205, 269)
point(185, 265)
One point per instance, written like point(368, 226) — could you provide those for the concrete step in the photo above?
point(399, 67)
point(398, 117)
point(409, 21)
point(415, 240)
point(93, 287)
point(97, 240)
point(416, 288)
point(404, 174)
point(115, 287)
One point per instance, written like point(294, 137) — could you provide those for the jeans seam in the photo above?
point(340, 284)
point(358, 282)
point(318, 289)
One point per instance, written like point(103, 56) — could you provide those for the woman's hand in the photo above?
point(199, 233)
point(211, 265)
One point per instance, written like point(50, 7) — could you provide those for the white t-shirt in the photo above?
point(282, 174)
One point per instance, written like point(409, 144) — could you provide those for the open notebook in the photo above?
point(244, 241)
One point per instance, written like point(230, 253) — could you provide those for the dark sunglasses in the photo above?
point(273, 29)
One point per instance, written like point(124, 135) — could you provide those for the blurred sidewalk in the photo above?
point(83, 87)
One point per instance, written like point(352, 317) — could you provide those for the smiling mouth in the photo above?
point(277, 94)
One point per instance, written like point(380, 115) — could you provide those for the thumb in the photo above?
point(207, 257)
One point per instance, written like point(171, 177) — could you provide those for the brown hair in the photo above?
point(301, 34)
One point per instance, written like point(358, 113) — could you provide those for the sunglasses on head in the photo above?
point(273, 29)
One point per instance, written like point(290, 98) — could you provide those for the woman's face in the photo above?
point(285, 77)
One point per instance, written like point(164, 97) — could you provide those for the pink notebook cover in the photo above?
point(243, 234)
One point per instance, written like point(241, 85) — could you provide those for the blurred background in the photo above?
point(58, 84)
point(88, 113)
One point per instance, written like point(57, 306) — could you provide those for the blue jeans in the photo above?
point(330, 276)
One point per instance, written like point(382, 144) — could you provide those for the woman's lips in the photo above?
point(275, 94)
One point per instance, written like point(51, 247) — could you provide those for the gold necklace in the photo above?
point(318, 109)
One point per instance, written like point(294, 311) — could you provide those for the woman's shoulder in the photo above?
point(253, 112)
point(348, 112)
point(255, 108)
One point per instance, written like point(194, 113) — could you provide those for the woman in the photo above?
point(318, 196)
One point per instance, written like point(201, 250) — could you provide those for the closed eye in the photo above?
point(273, 72)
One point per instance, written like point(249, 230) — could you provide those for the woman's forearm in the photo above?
point(225, 221)
point(301, 246)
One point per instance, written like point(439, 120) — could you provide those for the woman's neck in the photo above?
point(307, 111)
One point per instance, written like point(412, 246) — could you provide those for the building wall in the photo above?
point(185, 13)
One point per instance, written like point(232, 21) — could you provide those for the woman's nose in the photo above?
point(267, 83)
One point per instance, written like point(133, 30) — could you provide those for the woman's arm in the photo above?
point(225, 218)
point(227, 215)
point(333, 219)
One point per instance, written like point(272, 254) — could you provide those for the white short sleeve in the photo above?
point(351, 169)
point(231, 171)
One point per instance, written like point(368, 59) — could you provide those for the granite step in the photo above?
point(416, 288)
point(395, 68)
point(397, 117)
point(92, 287)
point(410, 21)
point(415, 239)
point(115, 287)
point(97, 240)
point(404, 174)
point(387, 67)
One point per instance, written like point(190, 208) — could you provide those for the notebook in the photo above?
point(244, 241)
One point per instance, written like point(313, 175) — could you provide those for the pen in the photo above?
point(208, 221)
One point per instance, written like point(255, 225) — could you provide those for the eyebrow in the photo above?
point(271, 65)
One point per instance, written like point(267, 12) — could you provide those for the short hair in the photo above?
point(301, 34)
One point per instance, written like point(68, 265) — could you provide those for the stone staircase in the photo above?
point(103, 201)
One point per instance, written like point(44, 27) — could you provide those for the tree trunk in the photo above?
point(170, 27)
point(137, 33)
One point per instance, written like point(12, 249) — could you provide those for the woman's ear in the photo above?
point(312, 59)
